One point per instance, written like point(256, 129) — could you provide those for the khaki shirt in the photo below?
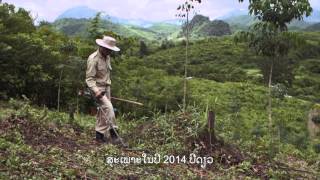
point(98, 71)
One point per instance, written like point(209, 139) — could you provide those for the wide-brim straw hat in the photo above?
point(108, 42)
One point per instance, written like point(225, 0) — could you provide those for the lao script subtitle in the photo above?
point(158, 159)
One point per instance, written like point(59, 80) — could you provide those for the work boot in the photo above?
point(100, 137)
point(116, 140)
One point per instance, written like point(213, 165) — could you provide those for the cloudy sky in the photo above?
point(154, 10)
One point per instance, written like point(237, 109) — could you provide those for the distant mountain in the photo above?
point(315, 15)
point(75, 22)
point(201, 26)
point(243, 22)
point(135, 22)
point(240, 20)
point(234, 13)
point(314, 27)
point(299, 25)
point(79, 27)
point(176, 22)
point(233, 20)
point(86, 12)
point(78, 12)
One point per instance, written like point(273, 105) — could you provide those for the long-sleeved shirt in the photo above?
point(98, 71)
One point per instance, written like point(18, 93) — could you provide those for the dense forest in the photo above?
point(261, 83)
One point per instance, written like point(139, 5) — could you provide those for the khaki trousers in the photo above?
point(105, 116)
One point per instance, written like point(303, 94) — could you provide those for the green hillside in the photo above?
point(165, 29)
point(133, 31)
point(220, 59)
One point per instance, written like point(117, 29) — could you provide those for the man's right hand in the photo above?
point(99, 94)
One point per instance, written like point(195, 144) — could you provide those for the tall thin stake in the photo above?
point(185, 65)
point(59, 89)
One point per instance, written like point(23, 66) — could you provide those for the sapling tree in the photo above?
point(269, 37)
point(184, 12)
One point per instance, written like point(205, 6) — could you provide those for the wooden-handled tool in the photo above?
point(128, 101)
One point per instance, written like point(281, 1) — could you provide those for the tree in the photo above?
point(279, 12)
point(269, 37)
point(15, 21)
point(30, 60)
point(95, 26)
point(143, 49)
point(184, 10)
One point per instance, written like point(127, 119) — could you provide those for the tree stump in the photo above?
point(211, 127)
point(71, 114)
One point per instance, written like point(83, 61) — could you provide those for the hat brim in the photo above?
point(101, 43)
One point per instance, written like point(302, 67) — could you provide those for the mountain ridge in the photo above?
point(202, 26)
point(79, 12)
point(238, 19)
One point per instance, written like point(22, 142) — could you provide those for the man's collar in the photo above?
point(101, 56)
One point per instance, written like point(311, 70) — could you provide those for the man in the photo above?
point(98, 80)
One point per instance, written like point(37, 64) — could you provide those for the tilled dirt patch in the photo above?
point(40, 135)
